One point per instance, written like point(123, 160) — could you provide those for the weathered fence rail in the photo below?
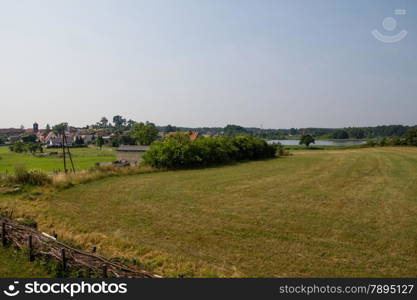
point(38, 244)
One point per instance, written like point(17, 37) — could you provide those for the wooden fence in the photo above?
point(38, 244)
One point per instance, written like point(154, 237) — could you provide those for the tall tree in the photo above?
point(104, 122)
point(144, 134)
point(119, 121)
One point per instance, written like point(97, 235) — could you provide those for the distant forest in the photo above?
point(329, 133)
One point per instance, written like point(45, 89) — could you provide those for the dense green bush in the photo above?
point(179, 152)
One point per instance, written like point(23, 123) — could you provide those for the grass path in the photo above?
point(328, 213)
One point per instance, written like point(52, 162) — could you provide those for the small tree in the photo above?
point(307, 139)
point(99, 142)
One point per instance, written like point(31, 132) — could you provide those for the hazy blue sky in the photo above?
point(207, 62)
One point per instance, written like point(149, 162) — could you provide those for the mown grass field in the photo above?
point(84, 158)
point(335, 213)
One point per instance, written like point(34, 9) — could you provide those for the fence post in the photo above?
point(104, 267)
point(64, 260)
point(3, 234)
point(30, 245)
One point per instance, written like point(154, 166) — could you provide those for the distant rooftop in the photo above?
point(132, 148)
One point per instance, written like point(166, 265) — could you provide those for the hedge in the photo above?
point(177, 152)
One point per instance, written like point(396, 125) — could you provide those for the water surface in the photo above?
point(319, 142)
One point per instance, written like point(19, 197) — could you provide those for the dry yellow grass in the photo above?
point(63, 180)
point(344, 213)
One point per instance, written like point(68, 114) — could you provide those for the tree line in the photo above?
point(409, 139)
point(120, 125)
point(329, 133)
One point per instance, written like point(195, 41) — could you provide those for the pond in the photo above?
point(319, 142)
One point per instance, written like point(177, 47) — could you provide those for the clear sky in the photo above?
point(280, 64)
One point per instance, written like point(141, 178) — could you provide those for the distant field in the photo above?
point(83, 158)
point(335, 213)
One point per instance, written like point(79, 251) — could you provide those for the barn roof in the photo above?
point(129, 148)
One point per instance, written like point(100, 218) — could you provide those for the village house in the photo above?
point(87, 138)
point(8, 132)
point(57, 142)
point(50, 139)
point(193, 134)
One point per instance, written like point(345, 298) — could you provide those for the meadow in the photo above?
point(334, 213)
point(84, 158)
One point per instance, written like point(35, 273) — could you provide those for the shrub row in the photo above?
point(178, 151)
point(20, 147)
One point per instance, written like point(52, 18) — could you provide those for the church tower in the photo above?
point(35, 127)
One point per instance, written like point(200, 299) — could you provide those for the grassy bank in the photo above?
point(84, 158)
point(329, 213)
point(15, 264)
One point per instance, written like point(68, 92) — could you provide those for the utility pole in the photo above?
point(63, 151)
point(69, 155)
